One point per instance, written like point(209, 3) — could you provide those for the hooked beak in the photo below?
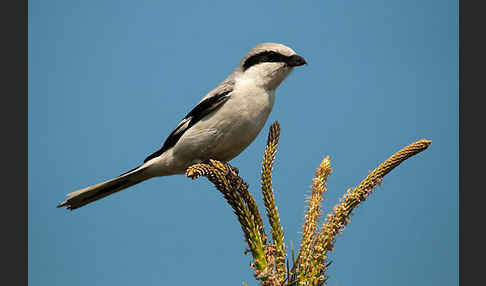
point(296, 60)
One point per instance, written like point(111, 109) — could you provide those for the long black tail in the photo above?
point(90, 194)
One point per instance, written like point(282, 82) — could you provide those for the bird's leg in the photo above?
point(236, 182)
point(234, 169)
point(233, 176)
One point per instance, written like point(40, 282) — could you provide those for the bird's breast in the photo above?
point(226, 132)
point(241, 119)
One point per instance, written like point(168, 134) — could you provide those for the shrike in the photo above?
point(219, 127)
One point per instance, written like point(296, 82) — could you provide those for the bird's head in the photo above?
point(268, 64)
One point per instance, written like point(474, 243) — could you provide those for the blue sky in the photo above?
point(109, 80)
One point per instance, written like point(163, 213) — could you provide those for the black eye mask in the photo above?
point(273, 57)
point(264, 57)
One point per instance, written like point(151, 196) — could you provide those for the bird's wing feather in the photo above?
point(207, 105)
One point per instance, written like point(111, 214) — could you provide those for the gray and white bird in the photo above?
point(220, 126)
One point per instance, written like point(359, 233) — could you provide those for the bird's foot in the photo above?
point(233, 169)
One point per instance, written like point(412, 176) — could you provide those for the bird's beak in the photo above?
point(296, 60)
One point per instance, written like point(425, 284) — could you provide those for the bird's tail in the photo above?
point(87, 195)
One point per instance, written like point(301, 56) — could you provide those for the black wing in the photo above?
point(197, 113)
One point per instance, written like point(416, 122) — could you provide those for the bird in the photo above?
point(221, 125)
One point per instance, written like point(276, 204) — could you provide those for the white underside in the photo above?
point(223, 134)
